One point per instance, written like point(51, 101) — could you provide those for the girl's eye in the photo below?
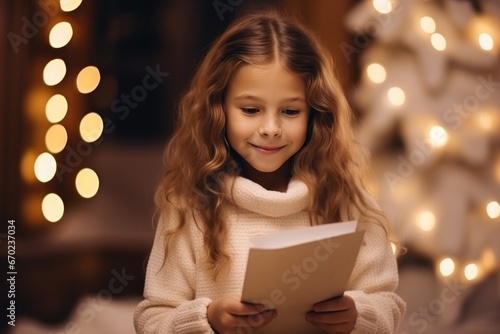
point(291, 112)
point(250, 110)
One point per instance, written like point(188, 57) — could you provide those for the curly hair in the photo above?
point(330, 163)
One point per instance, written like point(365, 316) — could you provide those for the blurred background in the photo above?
point(87, 95)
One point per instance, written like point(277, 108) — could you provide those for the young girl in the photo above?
point(264, 143)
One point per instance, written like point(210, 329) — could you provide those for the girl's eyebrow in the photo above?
point(255, 98)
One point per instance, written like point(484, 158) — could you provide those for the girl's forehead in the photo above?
point(269, 82)
point(272, 77)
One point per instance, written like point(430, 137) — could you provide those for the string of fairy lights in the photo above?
point(484, 34)
point(56, 109)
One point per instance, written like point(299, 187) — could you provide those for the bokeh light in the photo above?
point(471, 271)
point(438, 42)
point(52, 207)
point(87, 183)
point(56, 108)
point(56, 138)
point(45, 167)
point(88, 79)
point(438, 136)
point(486, 41)
point(69, 5)
point(54, 72)
point(446, 267)
point(484, 120)
point(426, 220)
point(488, 259)
point(376, 73)
point(493, 209)
point(396, 96)
point(91, 127)
point(428, 24)
point(60, 34)
point(382, 6)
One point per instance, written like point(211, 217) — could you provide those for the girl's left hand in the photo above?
point(336, 315)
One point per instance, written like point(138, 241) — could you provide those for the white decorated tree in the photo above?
point(429, 104)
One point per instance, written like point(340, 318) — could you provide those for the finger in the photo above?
point(247, 309)
point(257, 320)
point(332, 322)
point(339, 328)
point(234, 305)
point(329, 317)
point(334, 304)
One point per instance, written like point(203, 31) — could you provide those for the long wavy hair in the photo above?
point(197, 155)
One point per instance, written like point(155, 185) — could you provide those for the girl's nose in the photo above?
point(271, 126)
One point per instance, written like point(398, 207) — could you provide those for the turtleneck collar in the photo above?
point(253, 197)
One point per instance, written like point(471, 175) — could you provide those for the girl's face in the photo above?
point(267, 115)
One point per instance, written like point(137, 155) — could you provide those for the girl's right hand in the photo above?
point(228, 315)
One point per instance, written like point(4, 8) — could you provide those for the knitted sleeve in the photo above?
point(372, 285)
point(169, 304)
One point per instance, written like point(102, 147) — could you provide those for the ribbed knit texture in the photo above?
point(177, 294)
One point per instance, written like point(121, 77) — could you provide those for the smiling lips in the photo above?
point(268, 149)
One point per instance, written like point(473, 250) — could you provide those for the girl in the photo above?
point(264, 143)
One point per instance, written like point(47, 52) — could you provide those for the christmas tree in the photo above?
point(429, 104)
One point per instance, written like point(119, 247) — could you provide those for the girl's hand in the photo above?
point(336, 315)
point(228, 314)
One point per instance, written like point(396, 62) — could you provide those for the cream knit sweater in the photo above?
point(178, 293)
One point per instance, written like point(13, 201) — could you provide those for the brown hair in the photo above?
point(331, 163)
